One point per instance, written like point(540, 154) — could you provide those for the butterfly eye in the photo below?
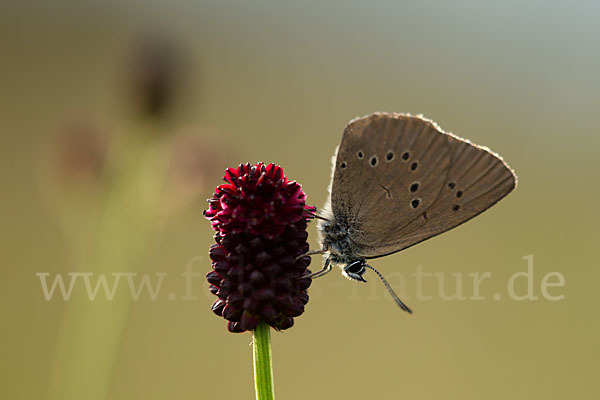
point(414, 166)
point(414, 187)
point(459, 194)
point(374, 161)
point(415, 203)
point(355, 268)
point(343, 164)
point(456, 208)
point(360, 155)
point(406, 155)
point(451, 185)
point(389, 156)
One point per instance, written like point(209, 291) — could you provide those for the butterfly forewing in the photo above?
point(400, 179)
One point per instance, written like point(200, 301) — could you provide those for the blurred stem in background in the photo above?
point(127, 222)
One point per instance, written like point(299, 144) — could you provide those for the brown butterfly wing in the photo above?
point(412, 182)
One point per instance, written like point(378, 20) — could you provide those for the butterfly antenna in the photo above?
point(389, 288)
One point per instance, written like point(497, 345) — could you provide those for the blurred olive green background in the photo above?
point(98, 176)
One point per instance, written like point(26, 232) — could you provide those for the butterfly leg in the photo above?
point(326, 268)
point(315, 215)
point(311, 253)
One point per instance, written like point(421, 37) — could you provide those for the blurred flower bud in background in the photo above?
point(81, 153)
point(154, 76)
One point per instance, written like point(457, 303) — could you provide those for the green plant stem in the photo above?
point(263, 368)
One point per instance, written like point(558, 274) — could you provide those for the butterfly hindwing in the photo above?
point(399, 180)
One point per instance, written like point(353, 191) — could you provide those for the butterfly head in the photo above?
point(355, 270)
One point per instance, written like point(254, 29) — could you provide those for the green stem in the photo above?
point(263, 369)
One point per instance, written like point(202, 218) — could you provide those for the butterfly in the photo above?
point(398, 180)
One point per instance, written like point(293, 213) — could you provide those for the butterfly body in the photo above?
point(337, 240)
point(398, 180)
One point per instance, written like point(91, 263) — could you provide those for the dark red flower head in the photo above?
point(261, 220)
